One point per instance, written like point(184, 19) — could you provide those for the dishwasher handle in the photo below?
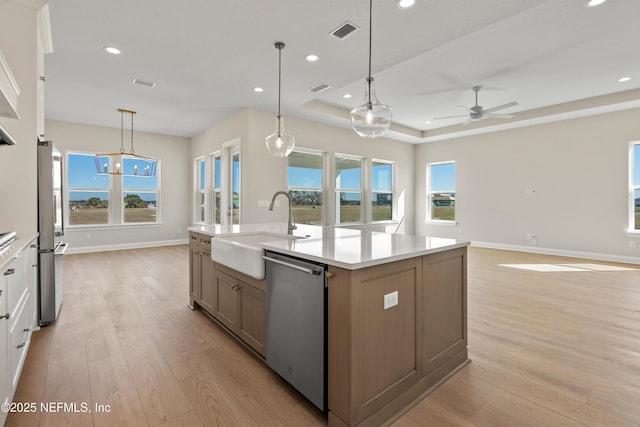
point(295, 267)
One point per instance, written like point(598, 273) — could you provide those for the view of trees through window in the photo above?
point(381, 191)
point(442, 191)
point(90, 195)
point(305, 187)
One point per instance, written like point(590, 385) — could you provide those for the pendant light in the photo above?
point(279, 143)
point(126, 164)
point(371, 119)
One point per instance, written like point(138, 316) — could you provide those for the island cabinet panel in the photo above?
point(383, 345)
point(444, 301)
point(252, 317)
point(207, 281)
point(195, 289)
point(381, 361)
point(239, 303)
point(226, 300)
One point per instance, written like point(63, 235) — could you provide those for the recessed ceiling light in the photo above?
point(405, 4)
point(593, 3)
point(112, 50)
point(624, 79)
point(311, 57)
point(258, 89)
point(346, 96)
point(427, 122)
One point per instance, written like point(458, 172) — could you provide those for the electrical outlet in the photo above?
point(534, 240)
point(263, 203)
point(87, 236)
point(391, 300)
point(632, 244)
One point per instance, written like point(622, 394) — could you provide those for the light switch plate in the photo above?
point(391, 300)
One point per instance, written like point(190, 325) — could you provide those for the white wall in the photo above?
point(18, 164)
point(173, 153)
point(262, 175)
point(578, 168)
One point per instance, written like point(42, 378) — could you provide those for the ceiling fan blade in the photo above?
point(466, 122)
point(450, 117)
point(501, 107)
point(497, 116)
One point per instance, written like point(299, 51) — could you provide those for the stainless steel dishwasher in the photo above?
point(296, 324)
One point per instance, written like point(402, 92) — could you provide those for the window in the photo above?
point(201, 199)
point(88, 191)
point(96, 199)
point(235, 186)
point(305, 187)
point(634, 193)
point(441, 182)
point(217, 187)
point(381, 190)
point(140, 194)
point(348, 184)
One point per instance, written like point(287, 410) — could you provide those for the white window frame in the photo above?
point(116, 198)
point(430, 192)
point(199, 193)
point(362, 191)
point(215, 190)
point(631, 229)
point(392, 192)
point(323, 190)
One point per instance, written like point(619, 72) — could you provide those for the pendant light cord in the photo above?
point(370, 43)
point(132, 133)
point(279, 46)
point(121, 131)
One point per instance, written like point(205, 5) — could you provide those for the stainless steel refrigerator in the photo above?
point(51, 230)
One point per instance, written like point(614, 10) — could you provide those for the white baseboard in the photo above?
point(118, 247)
point(559, 252)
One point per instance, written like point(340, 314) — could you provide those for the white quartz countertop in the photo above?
point(341, 247)
point(22, 240)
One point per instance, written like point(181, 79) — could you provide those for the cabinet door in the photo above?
point(33, 284)
point(207, 281)
point(444, 304)
point(252, 317)
point(4, 345)
point(226, 300)
point(195, 287)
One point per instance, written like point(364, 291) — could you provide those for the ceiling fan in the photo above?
point(477, 112)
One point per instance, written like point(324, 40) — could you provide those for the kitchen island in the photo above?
point(396, 311)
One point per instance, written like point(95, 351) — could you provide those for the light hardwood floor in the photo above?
point(547, 349)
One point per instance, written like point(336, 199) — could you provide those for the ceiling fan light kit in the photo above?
point(280, 143)
point(372, 119)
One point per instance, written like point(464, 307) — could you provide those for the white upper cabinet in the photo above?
point(9, 91)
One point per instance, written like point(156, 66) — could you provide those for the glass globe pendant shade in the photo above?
point(371, 119)
point(279, 143)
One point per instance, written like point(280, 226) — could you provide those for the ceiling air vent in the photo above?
point(319, 87)
point(344, 30)
point(137, 81)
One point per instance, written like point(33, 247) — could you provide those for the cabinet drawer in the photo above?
point(19, 339)
point(205, 242)
point(16, 282)
point(194, 238)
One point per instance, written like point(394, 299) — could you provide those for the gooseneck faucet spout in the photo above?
point(290, 226)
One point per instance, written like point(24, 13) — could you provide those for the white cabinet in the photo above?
point(4, 343)
point(9, 91)
point(18, 287)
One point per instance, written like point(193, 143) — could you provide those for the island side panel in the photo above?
point(444, 306)
point(338, 338)
point(386, 345)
